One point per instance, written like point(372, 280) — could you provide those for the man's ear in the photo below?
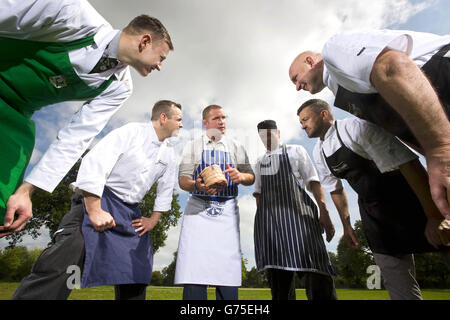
point(324, 114)
point(146, 40)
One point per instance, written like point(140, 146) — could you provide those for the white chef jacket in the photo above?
point(349, 56)
point(64, 21)
point(301, 165)
point(192, 154)
point(365, 139)
point(129, 160)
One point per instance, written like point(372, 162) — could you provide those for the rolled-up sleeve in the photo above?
point(76, 137)
point(328, 181)
point(166, 185)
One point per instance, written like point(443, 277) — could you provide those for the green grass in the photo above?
point(175, 293)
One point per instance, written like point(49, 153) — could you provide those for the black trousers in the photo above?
point(199, 292)
point(133, 291)
point(48, 279)
point(318, 286)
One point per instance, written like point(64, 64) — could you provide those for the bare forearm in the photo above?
point(318, 194)
point(417, 178)
point(404, 86)
point(247, 179)
point(339, 198)
point(186, 184)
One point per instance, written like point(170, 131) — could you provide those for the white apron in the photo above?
point(209, 250)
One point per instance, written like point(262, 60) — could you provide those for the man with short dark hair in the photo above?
point(56, 51)
point(105, 234)
point(398, 215)
point(288, 229)
point(397, 79)
point(209, 250)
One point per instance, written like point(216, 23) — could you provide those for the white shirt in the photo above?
point(63, 21)
point(349, 56)
point(365, 139)
point(129, 160)
point(192, 154)
point(300, 162)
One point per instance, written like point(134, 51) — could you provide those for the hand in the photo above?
point(233, 173)
point(350, 238)
point(326, 225)
point(202, 186)
point(437, 232)
point(438, 165)
point(18, 204)
point(144, 224)
point(101, 220)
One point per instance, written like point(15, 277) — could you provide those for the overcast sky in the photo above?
point(237, 54)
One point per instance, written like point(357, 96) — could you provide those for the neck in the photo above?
point(160, 132)
point(325, 129)
point(126, 44)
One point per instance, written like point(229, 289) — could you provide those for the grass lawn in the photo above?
point(175, 293)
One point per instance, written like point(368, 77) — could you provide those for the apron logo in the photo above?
point(340, 168)
point(215, 210)
point(58, 81)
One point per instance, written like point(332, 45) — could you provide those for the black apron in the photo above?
point(287, 231)
point(373, 108)
point(392, 216)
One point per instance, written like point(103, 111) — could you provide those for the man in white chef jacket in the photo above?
point(398, 215)
point(59, 51)
point(209, 251)
point(105, 234)
point(397, 79)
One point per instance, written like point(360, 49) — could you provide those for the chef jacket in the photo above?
point(65, 21)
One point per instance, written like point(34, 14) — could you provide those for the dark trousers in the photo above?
point(318, 286)
point(199, 292)
point(49, 278)
point(134, 291)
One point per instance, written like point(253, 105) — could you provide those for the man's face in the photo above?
point(311, 122)
point(215, 121)
point(306, 76)
point(174, 123)
point(270, 138)
point(151, 55)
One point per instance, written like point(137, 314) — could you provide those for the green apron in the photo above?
point(32, 75)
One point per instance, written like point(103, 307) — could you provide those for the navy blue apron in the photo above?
point(117, 255)
point(392, 216)
point(373, 108)
point(287, 231)
point(220, 158)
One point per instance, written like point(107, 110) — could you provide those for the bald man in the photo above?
point(389, 77)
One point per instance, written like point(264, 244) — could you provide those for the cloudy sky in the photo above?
point(237, 54)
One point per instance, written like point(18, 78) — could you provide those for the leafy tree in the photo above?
point(157, 278)
point(255, 279)
point(169, 271)
point(432, 271)
point(16, 263)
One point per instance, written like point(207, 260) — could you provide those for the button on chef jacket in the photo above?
point(75, 19)
point(365, 139)
point(349, 56)
point(129, 160)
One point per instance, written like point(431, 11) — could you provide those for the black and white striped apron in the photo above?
point(287, 231)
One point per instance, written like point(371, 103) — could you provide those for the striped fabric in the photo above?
point(221, 158)
point(287, 231)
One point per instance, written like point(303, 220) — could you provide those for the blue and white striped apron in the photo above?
point(209, 250)
point(117, 255)
point(287, 233)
